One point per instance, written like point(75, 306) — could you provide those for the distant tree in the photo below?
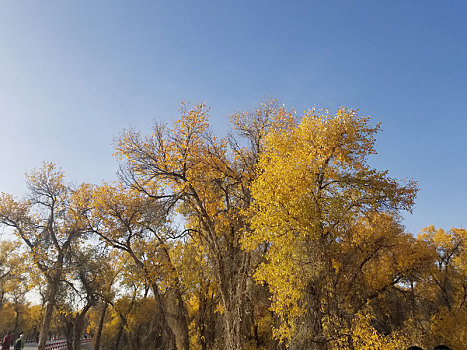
point(443, 292)
point(114, 266)
point(202, 297)
point(13, 268)
point(127, 220)
point(88, 271)
point(48, 223)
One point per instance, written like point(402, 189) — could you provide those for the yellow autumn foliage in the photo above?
point(313, 184)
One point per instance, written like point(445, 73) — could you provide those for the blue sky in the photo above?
point(74, 74)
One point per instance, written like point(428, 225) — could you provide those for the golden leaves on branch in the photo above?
point(313, 194)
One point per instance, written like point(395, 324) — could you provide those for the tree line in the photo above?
point(280, 235)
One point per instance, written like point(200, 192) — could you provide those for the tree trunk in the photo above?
point(52, 290)
point(177, 313)
point(15, 329)
point(2, 297)
point(233, 326)
point(69, 335)
point(201, 320)
point(177, 318)
point(168, 337)
point(79, 324)
point(309, 332)
point(233, 273)
point(101, 326)
point(234, 302)
point(119, 337)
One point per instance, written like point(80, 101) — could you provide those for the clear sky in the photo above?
point(74, 74)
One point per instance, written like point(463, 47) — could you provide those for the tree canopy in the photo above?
point(279, 235)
